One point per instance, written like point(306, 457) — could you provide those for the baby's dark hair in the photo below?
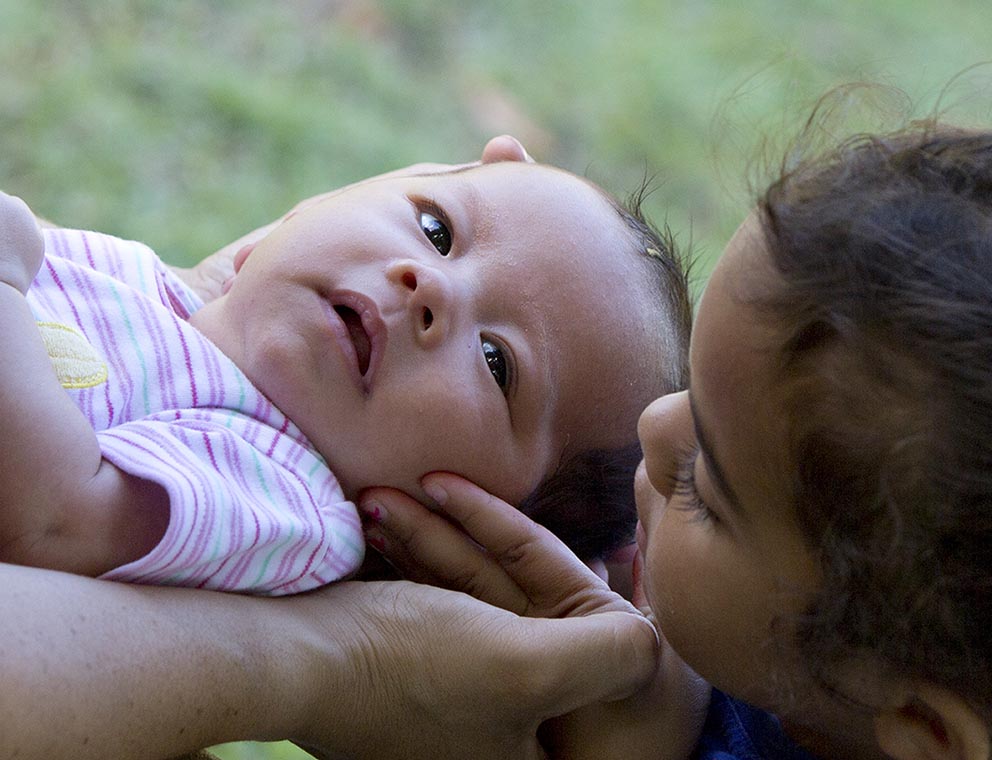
point(883, 247)
point(588, 502)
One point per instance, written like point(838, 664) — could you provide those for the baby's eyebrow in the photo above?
point(446, 172)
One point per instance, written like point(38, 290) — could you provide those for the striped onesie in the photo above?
point(253, 506)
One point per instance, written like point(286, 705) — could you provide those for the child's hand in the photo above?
point(22, 246)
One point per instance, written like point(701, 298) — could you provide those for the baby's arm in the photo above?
point(527, 570)
point(61, 505)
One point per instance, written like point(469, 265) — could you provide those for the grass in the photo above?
point(185, 123)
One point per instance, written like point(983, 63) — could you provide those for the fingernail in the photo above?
point(435, 491)
point(376, 540)
point(373, 511)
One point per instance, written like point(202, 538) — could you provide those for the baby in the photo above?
point(504, 320)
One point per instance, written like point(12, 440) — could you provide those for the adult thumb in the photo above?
point(594, 658)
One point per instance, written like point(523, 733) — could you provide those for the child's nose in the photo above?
point(430, 298)
point(665, 430)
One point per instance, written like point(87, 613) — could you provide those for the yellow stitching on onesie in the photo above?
point(75, 361)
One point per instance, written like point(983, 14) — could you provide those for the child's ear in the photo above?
point(932, 723)
point(505, 148)
point(242, 256)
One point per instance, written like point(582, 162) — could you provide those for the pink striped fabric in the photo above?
point(254, 507)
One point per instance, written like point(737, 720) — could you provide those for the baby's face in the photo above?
point(490, 321)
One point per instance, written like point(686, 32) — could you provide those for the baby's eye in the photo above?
point(498, 364)
point(436, 232)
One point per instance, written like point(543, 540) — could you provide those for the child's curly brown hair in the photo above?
point(883, 247)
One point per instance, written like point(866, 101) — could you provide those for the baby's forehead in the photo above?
point(550, 175)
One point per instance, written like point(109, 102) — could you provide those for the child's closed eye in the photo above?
point(684, 489)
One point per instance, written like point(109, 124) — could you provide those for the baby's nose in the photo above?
point(430, 298)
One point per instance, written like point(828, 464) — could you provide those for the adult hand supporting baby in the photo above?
point(358, 670)
point(477, 543)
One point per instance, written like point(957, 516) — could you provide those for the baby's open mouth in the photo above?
point(359, 338)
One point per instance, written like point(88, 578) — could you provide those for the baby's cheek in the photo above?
point(457, 426)
point(492, 465)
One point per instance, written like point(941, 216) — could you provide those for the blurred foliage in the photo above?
point(185, 123)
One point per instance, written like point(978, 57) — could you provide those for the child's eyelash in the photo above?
point(684, 485)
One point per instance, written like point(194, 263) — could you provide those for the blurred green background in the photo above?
point(185, 124)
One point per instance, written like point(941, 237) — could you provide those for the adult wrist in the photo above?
point(310, 654)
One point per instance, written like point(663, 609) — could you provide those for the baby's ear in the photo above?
point(505, 148)
point(932, 723)
point(242, 256)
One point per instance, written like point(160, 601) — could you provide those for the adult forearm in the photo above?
point(96, 669)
